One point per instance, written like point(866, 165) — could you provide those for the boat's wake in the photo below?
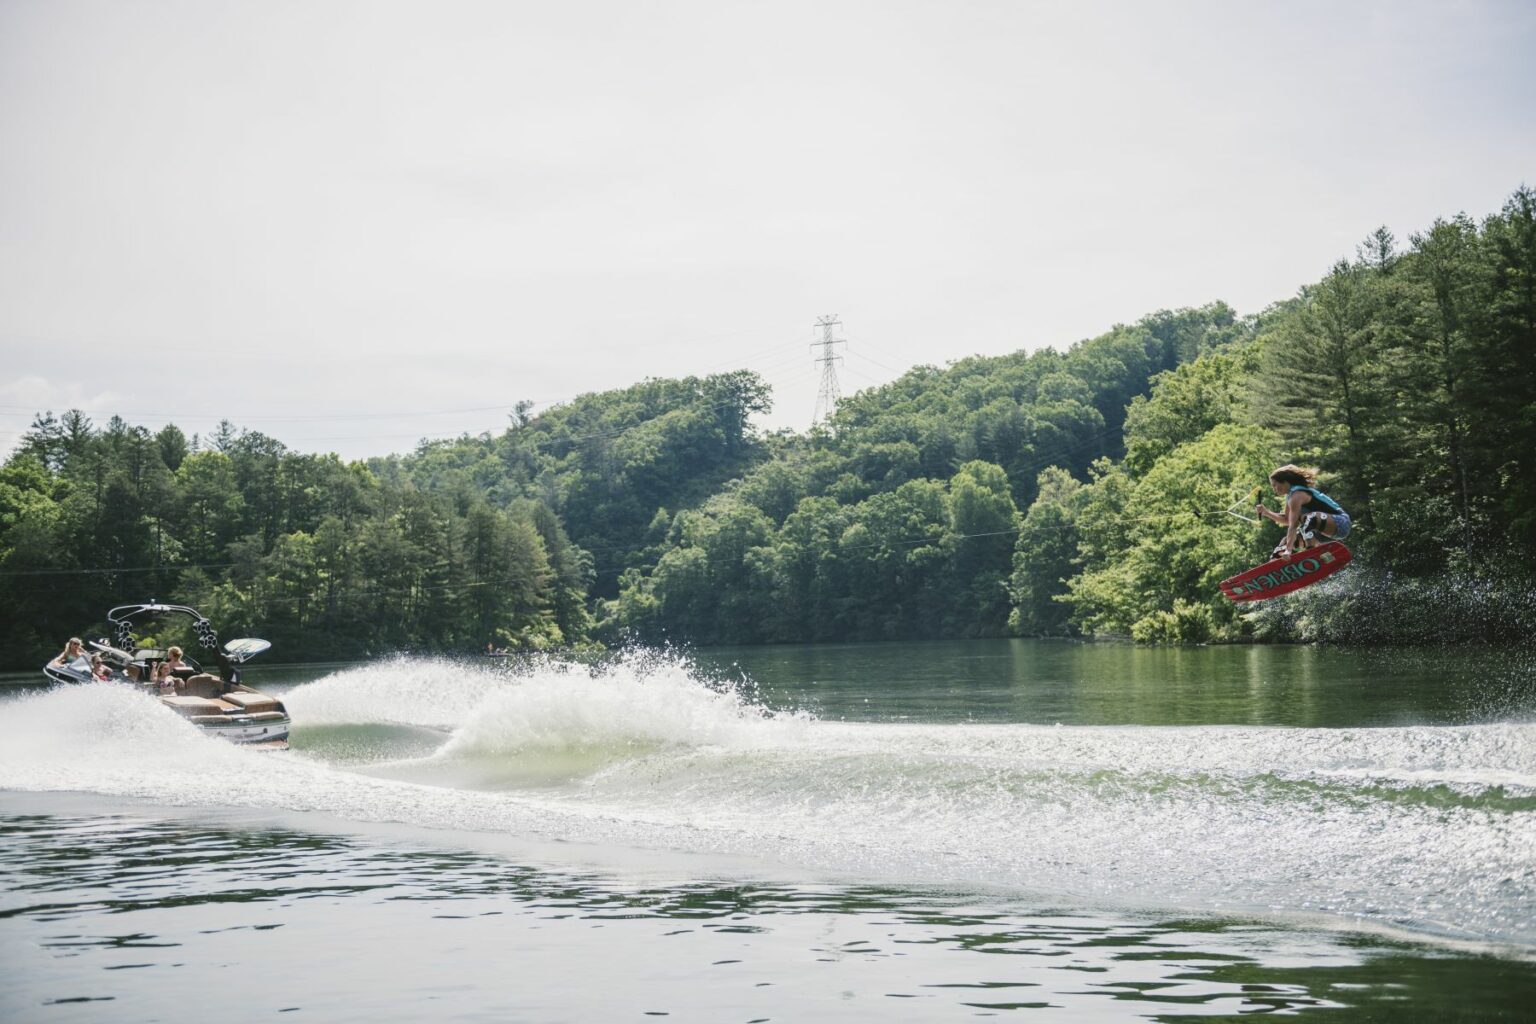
point(1424, 827)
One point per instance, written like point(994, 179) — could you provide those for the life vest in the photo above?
point(1326, 501)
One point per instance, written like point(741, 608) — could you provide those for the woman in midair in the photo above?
point(1325, 518)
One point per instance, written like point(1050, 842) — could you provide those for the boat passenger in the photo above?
point(72, 650)
point(165, 672)
point(100, 670)
point(1304, 527)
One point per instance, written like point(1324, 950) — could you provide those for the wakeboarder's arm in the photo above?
point(1293, 517)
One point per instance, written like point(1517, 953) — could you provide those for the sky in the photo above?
point(353, 225)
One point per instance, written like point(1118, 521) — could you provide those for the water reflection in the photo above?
point(1044, 682)
point(118, 908)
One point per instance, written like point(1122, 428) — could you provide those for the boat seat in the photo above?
point(202, 685)
point(252, 702)
point(193, 705)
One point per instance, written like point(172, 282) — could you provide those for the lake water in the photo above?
point(919, 832)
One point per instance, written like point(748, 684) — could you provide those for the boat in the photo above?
point(217, 702)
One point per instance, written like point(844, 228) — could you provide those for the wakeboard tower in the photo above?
point(1284, 575)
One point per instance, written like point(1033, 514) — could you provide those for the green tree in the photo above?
point(1318, 382)
point(1437, 356)
point(1185, 403)
point(1044, 557)
point(1509, 378)
point(1177, 545)
point(985, 522)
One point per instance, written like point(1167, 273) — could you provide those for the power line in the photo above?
point(883, 366)
point(108, 572)
point(768, 375)
point(21, 410)
point(741, 362)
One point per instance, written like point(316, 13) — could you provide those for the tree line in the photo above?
point(491, 540)
point(1076, 492)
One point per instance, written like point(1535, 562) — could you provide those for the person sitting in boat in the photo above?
point(1326, 520)
point(165, 672)
point(100, 670)
point(72, 650)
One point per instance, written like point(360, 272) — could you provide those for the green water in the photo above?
point(1047, 682)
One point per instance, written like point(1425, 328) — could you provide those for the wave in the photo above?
point(1423, 827)
point(399, 691)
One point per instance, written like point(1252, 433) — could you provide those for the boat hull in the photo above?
point(244, 728)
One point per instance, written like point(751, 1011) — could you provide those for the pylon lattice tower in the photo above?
point(826, 398)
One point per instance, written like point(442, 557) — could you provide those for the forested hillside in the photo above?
point(1077, 492)
point(457, 545)
point(607, 464)
point(1047, 494)
point(898, 519)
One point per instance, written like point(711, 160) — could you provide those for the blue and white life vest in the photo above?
point(1326, 501)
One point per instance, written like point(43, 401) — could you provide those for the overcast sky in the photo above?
point(351, 225)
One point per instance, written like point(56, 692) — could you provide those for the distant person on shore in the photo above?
point(72, 650)
point(1304, 527)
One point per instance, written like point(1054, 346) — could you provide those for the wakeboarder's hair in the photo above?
point(1292, 474)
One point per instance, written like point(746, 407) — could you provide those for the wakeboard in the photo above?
point(1283, 575)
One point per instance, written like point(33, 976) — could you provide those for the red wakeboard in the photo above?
point(1283, 575)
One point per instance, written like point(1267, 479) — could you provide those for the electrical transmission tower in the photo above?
point(827, 397)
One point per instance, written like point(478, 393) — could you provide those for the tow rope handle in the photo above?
point(1231, 510)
